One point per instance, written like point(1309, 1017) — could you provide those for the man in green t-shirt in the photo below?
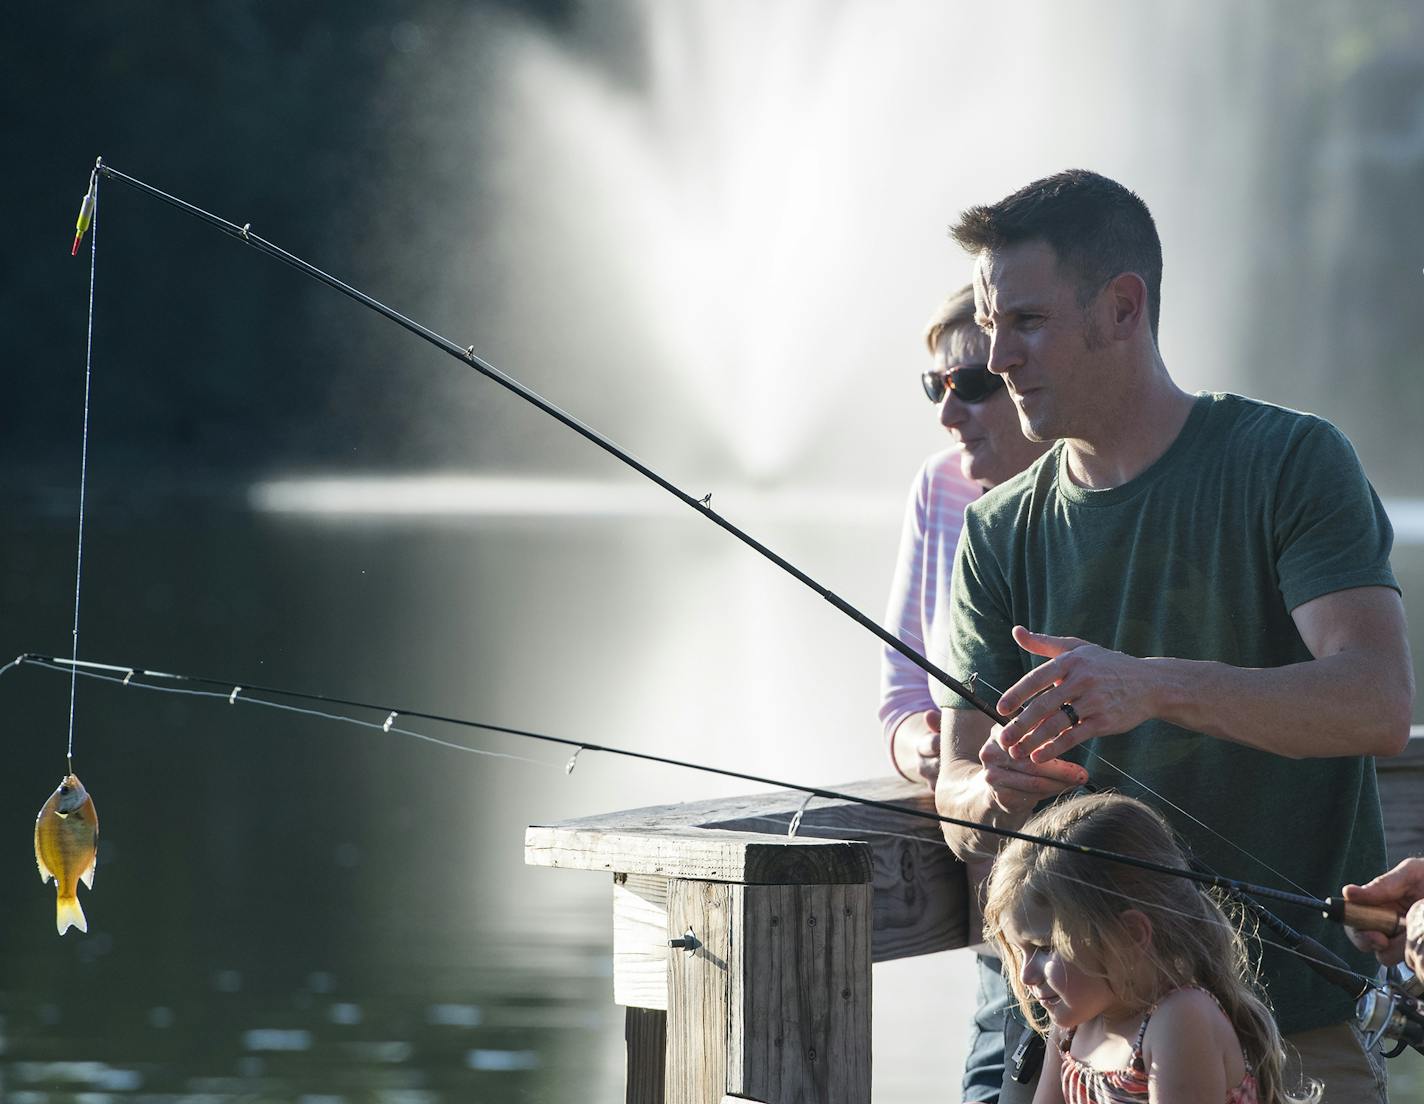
point(1188, 598)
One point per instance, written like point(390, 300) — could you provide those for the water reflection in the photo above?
point(538, 1034)
point(289, 908)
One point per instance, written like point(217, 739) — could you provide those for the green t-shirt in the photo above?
point(1251, 512)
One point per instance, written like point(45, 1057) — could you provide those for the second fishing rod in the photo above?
point(1367, 917)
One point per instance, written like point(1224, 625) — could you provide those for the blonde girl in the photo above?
point(1139, 981)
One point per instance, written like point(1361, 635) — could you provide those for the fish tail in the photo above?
point(68, 914)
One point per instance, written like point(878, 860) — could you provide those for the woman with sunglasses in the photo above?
point(987, 449)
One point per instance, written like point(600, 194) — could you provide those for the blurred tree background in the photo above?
point(321, 124)
point(1337, 257)
point(356, 134)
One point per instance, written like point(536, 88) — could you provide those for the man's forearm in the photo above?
point(1354, 698)
point(963, 794)
point(1346, 704)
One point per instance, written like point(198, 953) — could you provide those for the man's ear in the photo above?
point(1127, 297)
point(1138, 926)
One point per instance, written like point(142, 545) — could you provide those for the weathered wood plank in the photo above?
point(1401, 786)
point(799, 1026)
point(640, 935)
point(921, 898)
point(645, 1036)
point(699, 854)
point(718, 812)
point(698, 992)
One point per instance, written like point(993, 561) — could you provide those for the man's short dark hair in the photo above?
point(1097, 228)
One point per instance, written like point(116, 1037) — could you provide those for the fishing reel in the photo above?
point(1393, 1008)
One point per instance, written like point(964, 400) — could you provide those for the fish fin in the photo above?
point(68, 915)
point(46, 875)
point(88, 876)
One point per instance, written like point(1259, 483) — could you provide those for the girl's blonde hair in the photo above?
point(1193, 942)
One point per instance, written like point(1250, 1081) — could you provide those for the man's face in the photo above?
point(992, 447)
point(1041, 341)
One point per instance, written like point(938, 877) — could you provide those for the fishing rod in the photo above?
point(1388, 1008)
point(466, 354)
point(1336, 909)
point(1362, 917)
point(1333, 908)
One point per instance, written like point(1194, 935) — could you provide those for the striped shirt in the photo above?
point(1082, 1084)
point(919, 589)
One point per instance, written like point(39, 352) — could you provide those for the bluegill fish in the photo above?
point(66, 848)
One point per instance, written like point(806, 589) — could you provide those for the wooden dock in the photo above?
point(764, 993)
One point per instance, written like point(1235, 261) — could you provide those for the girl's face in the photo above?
point(1070, 995)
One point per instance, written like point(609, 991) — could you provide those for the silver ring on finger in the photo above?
point(1072, 714)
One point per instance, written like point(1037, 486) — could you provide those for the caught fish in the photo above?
point(67, 847)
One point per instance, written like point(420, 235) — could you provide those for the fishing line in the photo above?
point(233, 697)
point(1247, 912)
point(1200, 823)
point(89, 214)
point(1332, 907)
point(1095, 753)
point(839, 829)
point(1340, 966)
point(466, 354)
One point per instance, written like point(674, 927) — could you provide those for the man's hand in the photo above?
point(978, 782)
point(915, 747)
point(1081, 692)
point(1017, 785)
point(1401, 888)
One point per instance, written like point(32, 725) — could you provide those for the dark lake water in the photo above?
point(292, 909)
point(284, 908)
point(288, 908)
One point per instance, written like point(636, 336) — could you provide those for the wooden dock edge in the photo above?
point(918, 889)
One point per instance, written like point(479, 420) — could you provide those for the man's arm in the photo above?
point(979, 782)
point(1354, 697)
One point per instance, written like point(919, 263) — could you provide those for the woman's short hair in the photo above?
point(955, 313)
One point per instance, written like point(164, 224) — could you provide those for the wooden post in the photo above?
point(700, 992)
point(645, 1037)
point(801, 1014)
point(769, 1000)
point(774, 1002)
point(1401, 790)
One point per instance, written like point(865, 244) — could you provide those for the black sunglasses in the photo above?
point(971, 383)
